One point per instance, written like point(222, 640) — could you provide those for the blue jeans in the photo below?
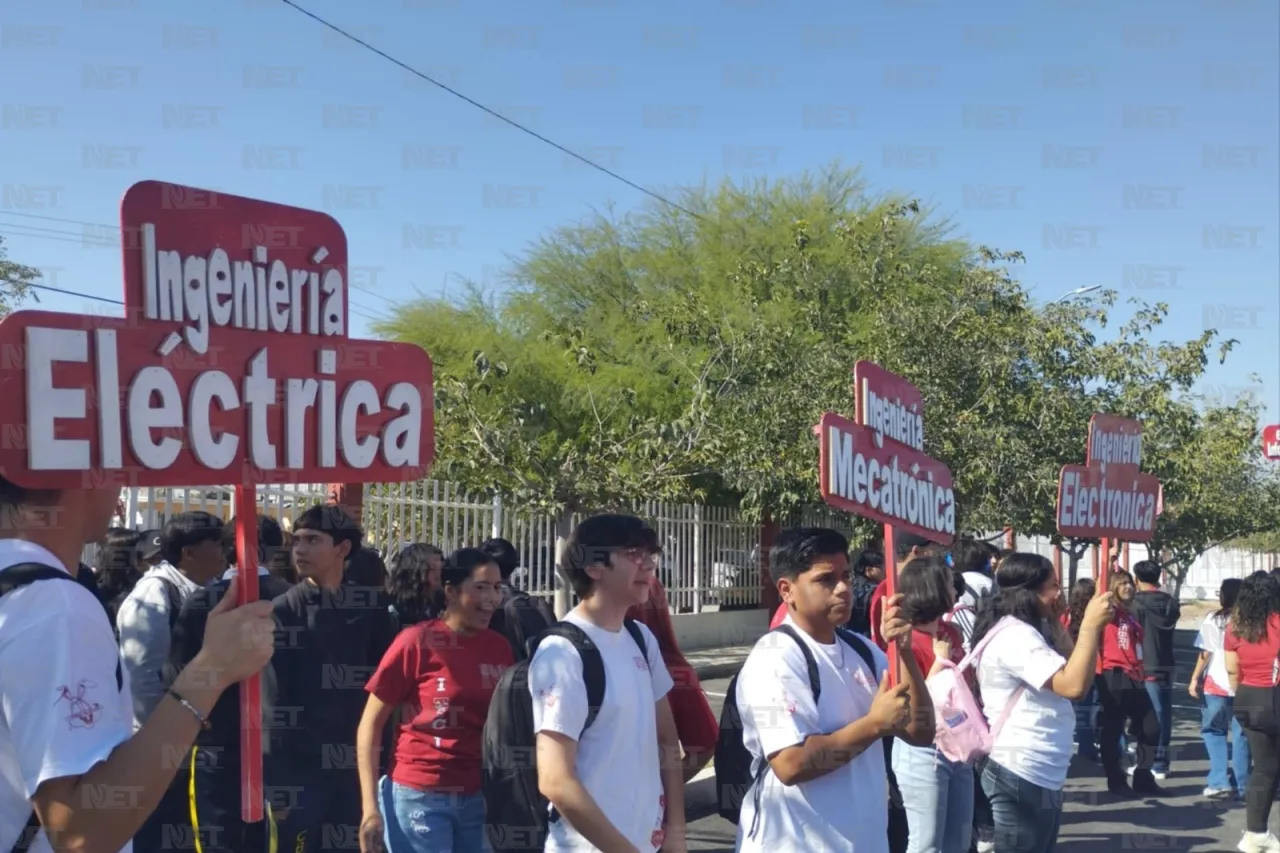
point(1087, 725)
point(431, 821)
point(1027, 817)
point(1216, 719)
point(1161, 693)
point(937, 795)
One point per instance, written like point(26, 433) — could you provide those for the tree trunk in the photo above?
point(564, 590)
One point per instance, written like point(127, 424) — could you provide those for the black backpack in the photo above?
point(517, 816)
point(522, 618)
point(13, 578)
point(734, 765)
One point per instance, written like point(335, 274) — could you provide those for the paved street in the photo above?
point(1183, 822)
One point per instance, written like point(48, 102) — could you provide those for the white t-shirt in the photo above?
point(1211, 638)
point(842, 812)
point(617, 758)
point(1036, 741)
point(60, 710)
point(964, 616)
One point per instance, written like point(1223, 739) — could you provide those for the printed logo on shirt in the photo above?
point(656, 839)
point(641, 663)
point(84, 712)
point(440, 685)
point(860, 676)
point(548, 698)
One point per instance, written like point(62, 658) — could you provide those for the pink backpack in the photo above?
point(962, 733)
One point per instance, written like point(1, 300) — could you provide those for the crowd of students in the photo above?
point(430, 706)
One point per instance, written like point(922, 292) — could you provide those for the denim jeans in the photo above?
point(938, 797)
point(1216, 719)
point(431, 821)
point(1087, 725)
point(1161, 693)
point(1027, 817)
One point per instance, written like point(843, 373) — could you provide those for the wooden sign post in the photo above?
point(1109, 498)
point(876, 467)
point(232, 364)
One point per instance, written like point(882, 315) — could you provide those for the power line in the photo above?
point(490, 111)
point(56, 219)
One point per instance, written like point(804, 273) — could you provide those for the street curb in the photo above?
point(713, 671)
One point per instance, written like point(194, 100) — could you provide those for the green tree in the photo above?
point(15, 281)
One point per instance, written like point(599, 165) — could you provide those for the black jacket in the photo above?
point(1158, 613)
point(217, 765)
point(328, 643)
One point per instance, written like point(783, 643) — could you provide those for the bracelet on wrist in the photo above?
point(195, 712)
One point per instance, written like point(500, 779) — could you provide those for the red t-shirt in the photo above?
point(1258, 665)
point(1122, 646)
point(922, 646)
point(779, 616)
point(445, 682)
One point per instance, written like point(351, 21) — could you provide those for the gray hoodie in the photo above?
point(143, 622)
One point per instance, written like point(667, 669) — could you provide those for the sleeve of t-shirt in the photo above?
point(774, 691)
point(1025, 654)
point(558, 691)
point(143, 621)
point(59, 696)
point(658, 673)
point(1230, 641)
point(395, 680)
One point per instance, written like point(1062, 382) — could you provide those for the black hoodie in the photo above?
point(1158, 613)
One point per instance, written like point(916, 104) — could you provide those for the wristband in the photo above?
point(195, 712)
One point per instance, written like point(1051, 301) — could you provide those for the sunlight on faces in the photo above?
point(475, 599)
point(823, 593)
point(627, 577)
point(316, 555)
point(1052, 602)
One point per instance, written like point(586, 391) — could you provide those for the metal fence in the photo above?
point(711, 555)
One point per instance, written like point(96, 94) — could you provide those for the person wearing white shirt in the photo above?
point(71, 767)
point(1211, 683)
point(191, 552)
point(1024, 775)
point(618, 786)
point(826, 789)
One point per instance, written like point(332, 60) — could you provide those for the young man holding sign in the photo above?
point(73, 775)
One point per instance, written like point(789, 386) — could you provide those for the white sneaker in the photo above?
point(1160, 774)
point(1258, 842)
point(1217, 793)
point(986, 847)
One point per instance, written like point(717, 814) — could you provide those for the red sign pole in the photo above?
point(1104, 569)
point(891, 588)
point(251, 795)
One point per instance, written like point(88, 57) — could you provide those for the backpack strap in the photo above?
point(810, 662)
point(862, 647)
point(593, 674)
point(633, 628)
point(974, 656)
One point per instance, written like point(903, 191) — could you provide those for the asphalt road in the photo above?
point(1182, 822)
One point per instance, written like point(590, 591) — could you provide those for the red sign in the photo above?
point(1114, 442)
point(889, 404)
point(890, 482)
point(233, 364)
point(1116, 503)
point(1271, 441)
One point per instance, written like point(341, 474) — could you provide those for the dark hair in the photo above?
point(333, 520)
point(798, 548)
point(407, 584)
point(13, 495)
point(1228, 593)
point(187, 530)
point(270, 542)
point(1118, 575)
point(1018, 582)
point(974, 555)
point(594, 541)
point(504, 554)
point(461, 564)
point(903, 543)
point(926, 594)
point(117, 563)
point(1255, 603)
point(1082, 592)
point(868, 558)
point(1147, 571)
point(365, 568)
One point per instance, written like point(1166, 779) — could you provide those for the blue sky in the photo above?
point(1128, 144)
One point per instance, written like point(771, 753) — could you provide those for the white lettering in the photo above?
point(216, 452)
point(300, 397)
point(260, 395)
point(146, 413)
point(109, 417)
point(884, 486)
point(47, 403)
point(359, 397)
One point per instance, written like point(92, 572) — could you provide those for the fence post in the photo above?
point(495, 531)
point(564, 526)
point(131, 508)
point(697, 558)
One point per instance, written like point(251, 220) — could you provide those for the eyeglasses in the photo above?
point(640, 555)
